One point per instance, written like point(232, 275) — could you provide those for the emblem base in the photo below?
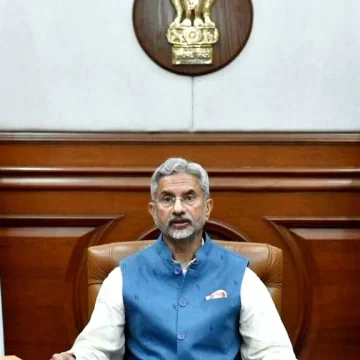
point(192, 45)
point(192, 55)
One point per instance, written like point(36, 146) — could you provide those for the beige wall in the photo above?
point(76, 65)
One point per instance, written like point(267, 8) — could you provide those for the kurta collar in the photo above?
point(201, 255)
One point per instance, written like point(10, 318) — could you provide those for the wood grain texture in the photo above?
point(151, 19)
point(62, 192)
point(325, 251)
point(39, 256)
point(117, 178)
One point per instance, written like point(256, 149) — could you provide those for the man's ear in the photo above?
point(151, 208)
point(209, 207)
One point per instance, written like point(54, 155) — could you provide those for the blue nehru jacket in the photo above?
point(167, 315)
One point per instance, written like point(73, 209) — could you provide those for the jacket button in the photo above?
point(182, 302)
point(181, 336)
point(177, 271)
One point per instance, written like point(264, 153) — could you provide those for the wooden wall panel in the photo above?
point(326, 253)
point(40, 258)
point(60, 193)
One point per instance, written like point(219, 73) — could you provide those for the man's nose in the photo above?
point(178, 206)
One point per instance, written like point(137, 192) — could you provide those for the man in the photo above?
point(183, 297)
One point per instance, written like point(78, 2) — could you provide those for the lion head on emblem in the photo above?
point(197, 13)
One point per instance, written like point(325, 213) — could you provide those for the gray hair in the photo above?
point(176, 166)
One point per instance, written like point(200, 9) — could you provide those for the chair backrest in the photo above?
point(265, 260)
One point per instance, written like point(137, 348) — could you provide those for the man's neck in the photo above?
point(184, 250)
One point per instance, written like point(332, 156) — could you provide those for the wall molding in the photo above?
point(243, 179)
point(175, 138)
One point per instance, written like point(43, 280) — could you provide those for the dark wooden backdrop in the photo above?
point(61, 193)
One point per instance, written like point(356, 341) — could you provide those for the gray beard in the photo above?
point(182, 234)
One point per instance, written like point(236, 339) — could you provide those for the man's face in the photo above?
point(180, 209)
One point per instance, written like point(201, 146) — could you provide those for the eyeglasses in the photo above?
point(168, 201)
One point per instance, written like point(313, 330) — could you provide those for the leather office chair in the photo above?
point(265, 260)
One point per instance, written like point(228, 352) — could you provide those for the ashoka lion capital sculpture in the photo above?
point(192, 33)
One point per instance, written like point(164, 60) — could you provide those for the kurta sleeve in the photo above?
point(264, 336)
point(103, 337)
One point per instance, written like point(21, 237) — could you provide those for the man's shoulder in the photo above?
point(145, 251)
point(229, 253)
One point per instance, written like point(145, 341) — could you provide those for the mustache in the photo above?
point(174, 219)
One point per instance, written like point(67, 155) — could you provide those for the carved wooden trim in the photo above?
point(317, 222)
point(75, 309)
point(303, 284)
point(147, 171)
point(22, 220)
point(181, 138)
point(114, 179)
point(309, 313)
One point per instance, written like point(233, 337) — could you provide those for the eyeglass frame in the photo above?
point(181, 198)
